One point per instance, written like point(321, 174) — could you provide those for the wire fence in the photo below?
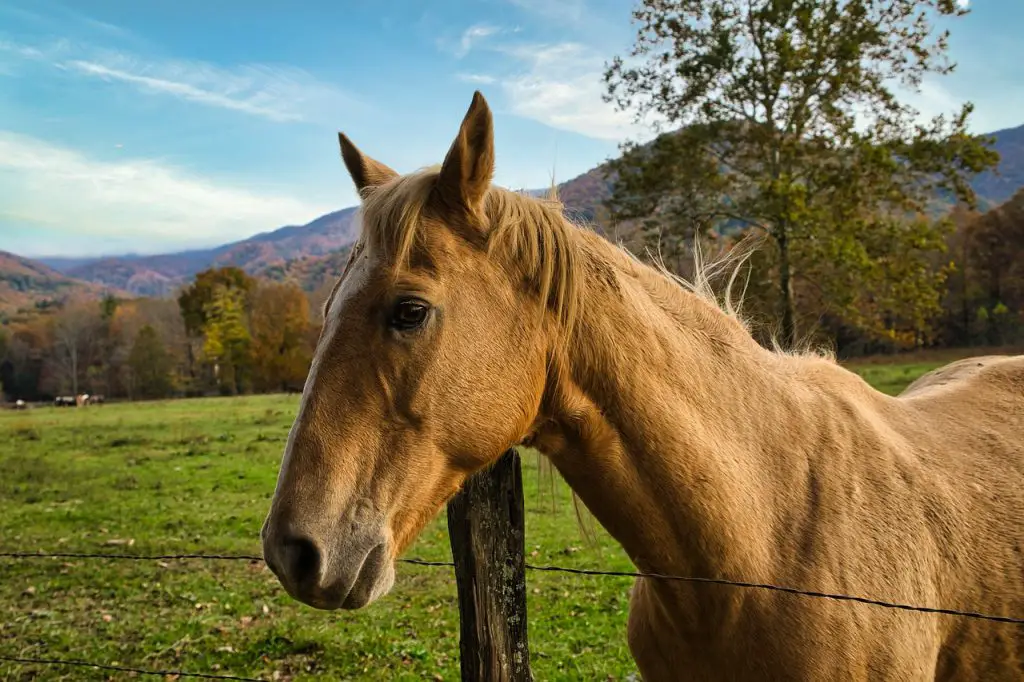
point(422, 562)
point(552, 569)
point(67, 662)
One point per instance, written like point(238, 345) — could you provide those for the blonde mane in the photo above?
point(534, 236)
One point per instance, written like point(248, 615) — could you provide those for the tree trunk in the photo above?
point(74, 369)
point(486, 524)
point(965, 308)
point(995, 297)
point(786, 288)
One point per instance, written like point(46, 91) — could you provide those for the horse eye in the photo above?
point(408, 314)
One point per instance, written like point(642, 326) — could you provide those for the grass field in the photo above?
point(197, 476)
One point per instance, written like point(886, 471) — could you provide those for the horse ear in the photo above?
point(469, 166)
point(365, 172)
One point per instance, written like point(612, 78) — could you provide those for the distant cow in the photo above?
point(95, 399)
point(19, 404)
point(64, 401)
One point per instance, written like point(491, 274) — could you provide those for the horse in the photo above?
point(470, 319)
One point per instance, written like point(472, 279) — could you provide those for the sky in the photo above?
point(146, 127)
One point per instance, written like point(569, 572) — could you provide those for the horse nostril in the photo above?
point(301, 559)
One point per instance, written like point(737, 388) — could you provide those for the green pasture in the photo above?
point(892, 379)
point(196, 476)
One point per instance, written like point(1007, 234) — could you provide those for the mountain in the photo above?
point(26, 283)
point(585, 194)
point(161, 275)
point(998, 187)
point(309, 272)
point(307, 253)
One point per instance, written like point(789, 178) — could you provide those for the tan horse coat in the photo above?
point(708, 456)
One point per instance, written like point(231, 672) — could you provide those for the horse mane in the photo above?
point(547, 248)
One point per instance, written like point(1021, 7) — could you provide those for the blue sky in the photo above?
point(147, 127)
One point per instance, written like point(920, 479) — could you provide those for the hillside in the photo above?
point(309, 272)
point(161, 275)
point(305, 253)
point(997, 188)
point(27, 284)
point(585, 194)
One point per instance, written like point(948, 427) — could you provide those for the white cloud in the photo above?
point(997, 103)
point(963, 4)
point(48, 185)
point(562, 85)
point(932, 99)
point(471, 37)
point(478, 78)
point(20, 51)
point(275, 93)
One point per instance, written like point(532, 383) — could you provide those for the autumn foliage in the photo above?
point(227, 333)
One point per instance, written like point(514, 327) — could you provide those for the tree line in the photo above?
point(225, 334)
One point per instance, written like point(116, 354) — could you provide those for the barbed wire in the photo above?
point(559, 569)
point(171, 557)
point(122, 668)
point(136, 557)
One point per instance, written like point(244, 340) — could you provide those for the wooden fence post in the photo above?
point(486, 525)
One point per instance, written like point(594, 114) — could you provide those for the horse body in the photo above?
point(470, 319)
point(708, 456)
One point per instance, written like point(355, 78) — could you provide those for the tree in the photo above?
point(108, 306)
point(196, 303)
point(282, 343)
point(784, 119)
point(26, 372)
point(957, 326)
point(995, 252)
point(195, 300)
point(6, 367)
point(151, 365)
point(74, 330)
point(124, 327)
point(227, 339)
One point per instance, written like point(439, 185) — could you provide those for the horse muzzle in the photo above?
point(347, 572)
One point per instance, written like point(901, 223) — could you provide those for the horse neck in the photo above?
point(674, 426)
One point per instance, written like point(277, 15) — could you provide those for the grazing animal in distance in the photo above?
point(470, 319)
